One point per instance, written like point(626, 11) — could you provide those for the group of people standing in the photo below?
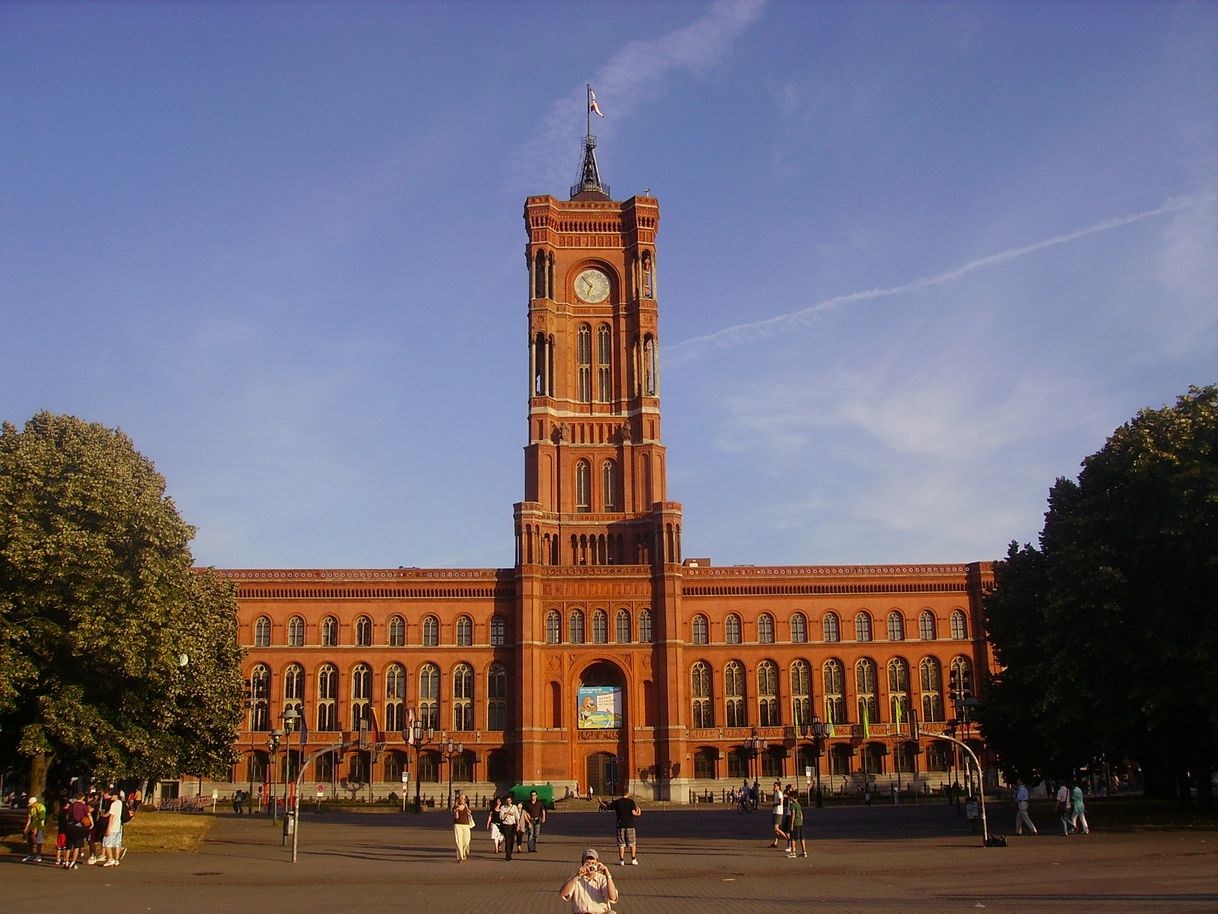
point(513, 826)
point(96, 818)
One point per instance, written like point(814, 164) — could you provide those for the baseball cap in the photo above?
point(591, 854)
point(32, 801)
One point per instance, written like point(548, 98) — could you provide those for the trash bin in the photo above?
point(289, 823)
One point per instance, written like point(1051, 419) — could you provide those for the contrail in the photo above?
point(754, 330)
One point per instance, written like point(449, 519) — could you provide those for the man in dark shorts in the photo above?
point(626, 811)
point(78, 813)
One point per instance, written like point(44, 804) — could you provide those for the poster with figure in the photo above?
point(600, 707)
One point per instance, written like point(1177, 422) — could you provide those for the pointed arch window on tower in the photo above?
point(645, 626)
point(583, 487)
point(609, 485)
point(604, 364)
point(583, 354)
point(623, 626)
point(700, 694)
point(600, 627)
point(575, 627)
point(553, 627)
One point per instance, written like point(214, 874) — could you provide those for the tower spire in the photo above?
point(590, 186)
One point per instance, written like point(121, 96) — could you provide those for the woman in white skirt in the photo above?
point(492, 824)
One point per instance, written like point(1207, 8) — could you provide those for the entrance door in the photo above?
point(602, 774)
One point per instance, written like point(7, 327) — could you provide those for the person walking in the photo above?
point(509, 818)
point(463, 826)
point(112, 841)
point(1063, 807)
point(79, 822)
point(238, 801)
point(1078, 810)
point(776, 807)
point(626, 810)
point(535, 813)
point(1021, 805)
point(795, 836)
point(591, 890)
point(493, 823)
point(35, 829)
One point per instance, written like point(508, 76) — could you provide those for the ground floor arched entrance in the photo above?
point(602, 773)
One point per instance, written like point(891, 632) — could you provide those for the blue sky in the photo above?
point(917, 260)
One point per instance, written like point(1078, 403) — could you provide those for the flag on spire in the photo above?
point(593, 107)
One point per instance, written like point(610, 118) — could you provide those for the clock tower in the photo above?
point(598, 545)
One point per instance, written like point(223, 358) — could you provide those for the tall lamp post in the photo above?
point(417, 734)
point(756, 745)
point(452, 750)
point(273, 742)
point(291, 717)
point(816, 732)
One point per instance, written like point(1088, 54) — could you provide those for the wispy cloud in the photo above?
point(764, 329)
point(633, 75)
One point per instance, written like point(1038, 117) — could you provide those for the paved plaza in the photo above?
point(918, 858)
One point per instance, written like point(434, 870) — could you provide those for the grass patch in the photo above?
point(148, 831)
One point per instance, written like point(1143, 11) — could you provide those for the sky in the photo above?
point(915, 262)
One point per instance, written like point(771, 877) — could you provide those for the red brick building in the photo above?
point(604, 656)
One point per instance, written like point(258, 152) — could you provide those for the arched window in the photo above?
point(463, 697)
point(734, 694)
point(862, 626)
point(397, 631)
point(701, 630)
point(609, 485)
point(553, 627)
point(262, 632)
point(496, 697)
point(293, 684)
point(465, 631)
point(898, 690)
point(623, 626)
point(959, 625)
point(429, 696)
point(645, 626)
point(896, 626)
point(604, 363)
point(704, 763)
point(701, 696)
point(767, 694)
point(600, 627)
point(260, 706)
point(864, 689)
point(834, 677)
point(575, 627)
point(583, 487)
point(799, 629)
point(765, 628)
point(361, 693)
point(831, 627)
point(930, 675)
point(296, 631)
point(584, 363)
point(329, 632)
point(926, 626)
point(962, 676)
point(801, 694)
point(498, 631)
point(327, 698)
point(431, 631)
point(395, 698)
point(731, 629)
point(363, 632)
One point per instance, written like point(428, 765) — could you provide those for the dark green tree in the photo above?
point(117, 658)
point(1107, 635)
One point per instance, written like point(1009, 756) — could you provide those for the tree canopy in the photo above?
point(116, 656)
point(1106, 636)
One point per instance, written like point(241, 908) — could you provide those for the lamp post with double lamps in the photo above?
point(417, 734)
point(272, 742)
point(452, 750)
point(816, 732)
point(291, 718)
point(756, 744)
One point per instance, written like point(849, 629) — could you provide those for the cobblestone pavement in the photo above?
point(905, 859)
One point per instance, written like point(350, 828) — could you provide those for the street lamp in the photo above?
point(273, 742)
point(451, 751)
point(756, 744)
point(417, 734)
point(291, 717)
point(816, 732)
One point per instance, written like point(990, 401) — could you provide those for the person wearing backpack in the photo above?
point(80, 820)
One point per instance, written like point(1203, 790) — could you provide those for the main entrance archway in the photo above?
point(602, 773)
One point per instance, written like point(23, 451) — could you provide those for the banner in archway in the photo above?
point(600, 707)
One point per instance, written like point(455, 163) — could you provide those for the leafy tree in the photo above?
point(1107, 635)
point(116, 656)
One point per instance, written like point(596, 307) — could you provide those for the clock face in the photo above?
point(592, 286)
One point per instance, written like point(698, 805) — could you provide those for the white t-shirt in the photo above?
point(114, 825)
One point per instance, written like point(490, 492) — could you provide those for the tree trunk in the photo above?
point(39, 763)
